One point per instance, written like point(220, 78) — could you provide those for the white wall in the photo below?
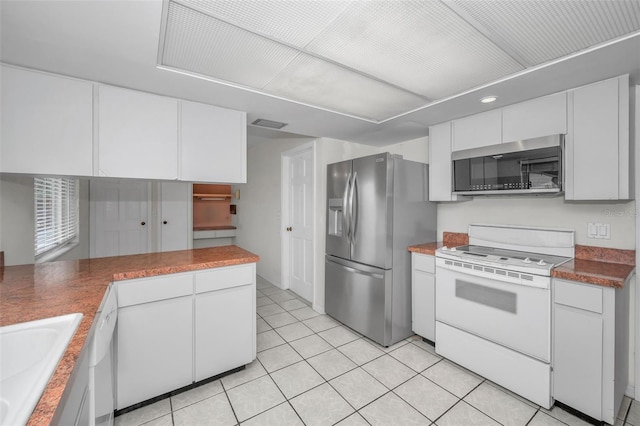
point(17, 221)
point(259, 215)
point(543, 211)
point(414, 150)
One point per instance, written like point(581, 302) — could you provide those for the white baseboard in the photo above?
point(275, 282)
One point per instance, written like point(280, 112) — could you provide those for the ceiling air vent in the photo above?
point(268, 123)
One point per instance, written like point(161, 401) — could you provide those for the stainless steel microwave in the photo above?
point(521, 167)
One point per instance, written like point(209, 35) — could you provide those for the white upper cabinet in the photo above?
point(213, 144)
point(440, 163)
point(46, 124)
point(597, 144)
point(477, 130)
point(137, 134)
point(539, 117)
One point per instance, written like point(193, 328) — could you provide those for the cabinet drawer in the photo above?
point(144, 290)
point(219, 278)
point(423, 262)
point(581, 296)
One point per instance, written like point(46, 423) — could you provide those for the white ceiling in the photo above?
point(375, 72)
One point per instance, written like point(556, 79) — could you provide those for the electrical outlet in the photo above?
point(599, 230)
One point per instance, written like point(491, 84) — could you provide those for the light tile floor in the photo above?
point(311, 370)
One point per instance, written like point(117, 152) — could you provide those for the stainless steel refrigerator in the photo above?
point(377, 206)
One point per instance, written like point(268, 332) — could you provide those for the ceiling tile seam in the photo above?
point(301, 50)
point(329, 24)
point(489, 35)
point(516, 75)
point(164, 22)
point(264, 93)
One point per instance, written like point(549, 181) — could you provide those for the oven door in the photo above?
point(513, 315)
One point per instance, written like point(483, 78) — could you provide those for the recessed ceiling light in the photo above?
point(488, 99)
point(268, 123)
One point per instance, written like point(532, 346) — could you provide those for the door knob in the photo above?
point(143, 223)
point(165, 222)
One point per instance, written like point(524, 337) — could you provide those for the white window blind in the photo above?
point(56, 210)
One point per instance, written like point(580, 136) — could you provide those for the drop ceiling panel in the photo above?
point(313, 81)
point(204, 45)
point(422, 46)
point(543, 30)
point(293, 22)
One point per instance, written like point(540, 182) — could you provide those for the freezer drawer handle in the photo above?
point(378, 276)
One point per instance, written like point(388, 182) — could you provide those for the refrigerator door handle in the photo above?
point(354, 206)
point(346, 218)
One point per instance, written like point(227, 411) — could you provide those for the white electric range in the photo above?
point(493, 304)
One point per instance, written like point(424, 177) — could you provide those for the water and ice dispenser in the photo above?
point(335, 216)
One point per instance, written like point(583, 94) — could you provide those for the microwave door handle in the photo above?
point(346, 219)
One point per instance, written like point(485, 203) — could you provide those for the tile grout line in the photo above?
point(361, 337)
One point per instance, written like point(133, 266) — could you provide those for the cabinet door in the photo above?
point(423, 300)
point(155, 349)
point(175, 216)
point(213, 144)
point(225, 330)
point(47, 124)
point(440, 163)
point(478, 130)
point(577, 359)
point(598, 142)
point(539, 117)
point(137, 134)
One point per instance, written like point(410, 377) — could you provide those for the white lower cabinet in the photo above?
point(590, 347)
point(423, 295)
point(163, 319)
point(155, 337)
point(225, 320)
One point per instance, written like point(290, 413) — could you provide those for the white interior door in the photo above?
point(119, 217)
point(299, 218)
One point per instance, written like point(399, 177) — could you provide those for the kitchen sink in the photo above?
point(29, 354)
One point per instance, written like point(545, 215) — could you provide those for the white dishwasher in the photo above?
point(101, 364)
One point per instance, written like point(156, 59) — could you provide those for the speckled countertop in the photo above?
point(449, 239)
point(592, 265)
point(596, 265)
point(31, 292)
